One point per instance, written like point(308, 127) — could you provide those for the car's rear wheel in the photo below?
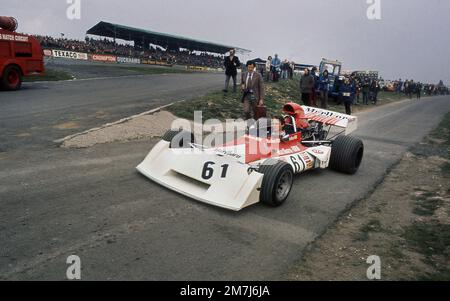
point(277, 182)
point(12, 78)
point(346, 154)
point(179, 138)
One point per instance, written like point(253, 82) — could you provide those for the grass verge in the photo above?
point(50, 75)
point(222, 106)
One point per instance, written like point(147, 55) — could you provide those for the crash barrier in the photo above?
point(104, 58)
point(128, 60)
point(198, 68)
point(93, 57)
point(155, 62)
point(66, 54)
point(108, 58)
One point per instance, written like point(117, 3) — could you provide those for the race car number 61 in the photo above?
point(208, 171)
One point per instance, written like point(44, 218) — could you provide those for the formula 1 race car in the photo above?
point(260, 165)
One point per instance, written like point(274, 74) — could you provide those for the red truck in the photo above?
point(20, 55)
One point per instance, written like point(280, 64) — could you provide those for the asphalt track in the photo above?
point(92, 203)
point(43, 112)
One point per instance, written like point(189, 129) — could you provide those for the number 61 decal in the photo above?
point(208, 171)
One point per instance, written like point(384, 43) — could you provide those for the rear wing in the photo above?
point(347, 122)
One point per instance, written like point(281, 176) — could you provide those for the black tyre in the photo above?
point(179, 138)
point(11, 79)
point(277, 182)
point(346, 154)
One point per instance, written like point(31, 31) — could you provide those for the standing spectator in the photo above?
point(418, 90)
point(291, 70)
point(412, 89)
point(275, 67)
point(409, 88)
point(399, 86)
point(353, 84)
point(406, 87)
point(358, 89)
point(284, 69)
point(315, 87)
point(374, 89)
point(365, 91)
point(324, 86)
point(268, 68)
point(252, 86)
point(347, 94)
point(306, 86)
point(231, 65)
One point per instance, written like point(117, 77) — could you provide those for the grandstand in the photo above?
point(113, 42)
point(143, 38)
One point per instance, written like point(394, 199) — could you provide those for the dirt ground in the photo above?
point(143, 126)
point(405, 222)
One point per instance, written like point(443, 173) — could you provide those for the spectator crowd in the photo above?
point(274, 69)
point(105, 46)
point(356, 88)
point(315, 86)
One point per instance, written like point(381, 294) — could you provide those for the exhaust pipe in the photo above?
point(8, 23)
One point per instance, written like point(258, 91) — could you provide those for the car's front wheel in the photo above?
point(346, 154)
point(277, 182)
point(179, 138)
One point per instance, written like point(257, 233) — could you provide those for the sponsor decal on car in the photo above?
point(317, 151)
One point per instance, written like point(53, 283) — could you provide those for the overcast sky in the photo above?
point(411, 40)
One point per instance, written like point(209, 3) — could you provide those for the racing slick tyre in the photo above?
point(11, 79)
point(277, 182)
point(179, 138)
point(346, 154)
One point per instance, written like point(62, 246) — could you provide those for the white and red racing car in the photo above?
point(260, 165)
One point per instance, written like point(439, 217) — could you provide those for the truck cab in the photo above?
point(20, 55)
point(334, 72)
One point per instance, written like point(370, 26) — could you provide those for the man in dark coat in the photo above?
point(374, 89)
point(324, 87)
point(418, 90)
point(365, 91)
point(231, 64)
point(347, 93)
point(306, 87)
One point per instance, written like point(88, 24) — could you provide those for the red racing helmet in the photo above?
point(295, 110)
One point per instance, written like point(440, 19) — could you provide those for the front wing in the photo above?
point(203, 175)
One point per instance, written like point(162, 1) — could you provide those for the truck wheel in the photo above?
point(179, 138)
point(276, 183)
point(346, 154)
point(12, 78)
